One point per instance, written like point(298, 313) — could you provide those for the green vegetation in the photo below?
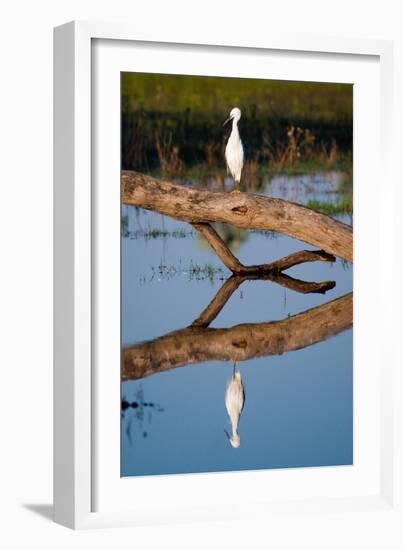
point(172, 124)
point(207, 271)
point(343, 206)
point(206, 94)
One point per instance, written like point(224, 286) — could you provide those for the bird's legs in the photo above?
point(235, 190)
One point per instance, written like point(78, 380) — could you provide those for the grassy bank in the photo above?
point(173, 124)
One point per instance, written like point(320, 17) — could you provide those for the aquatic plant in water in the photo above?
point(193, 272)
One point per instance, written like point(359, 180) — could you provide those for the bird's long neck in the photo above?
point(235, 131)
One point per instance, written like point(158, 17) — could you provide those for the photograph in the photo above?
point(236, 274)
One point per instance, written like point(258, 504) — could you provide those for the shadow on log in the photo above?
point(198, 344)
point(244, 210)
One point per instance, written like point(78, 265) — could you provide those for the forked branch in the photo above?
point(230, 261)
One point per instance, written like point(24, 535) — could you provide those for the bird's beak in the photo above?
point(228, 119)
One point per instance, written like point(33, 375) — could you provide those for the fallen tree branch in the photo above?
point(243, 210)
point(219, 247)
point(239, 343)
point(230, 261)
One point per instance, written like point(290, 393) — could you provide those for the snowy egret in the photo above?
point(234, 402)
point(234, 149)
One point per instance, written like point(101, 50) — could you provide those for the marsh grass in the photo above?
point(169, 158)
point(155, 233)
point(343, 206)
point(172, 123)
point(200, 94)
point(232, 236)
point(207, 271)
point(193, 272)
point(166, 149)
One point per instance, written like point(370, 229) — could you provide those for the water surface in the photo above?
point(298, 406)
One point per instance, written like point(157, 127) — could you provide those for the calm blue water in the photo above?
point(298, 406)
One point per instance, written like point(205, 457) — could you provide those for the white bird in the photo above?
point(234, 402)
point(234, 149)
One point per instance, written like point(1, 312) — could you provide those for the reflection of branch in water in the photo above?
point(229, 287)
point(198, 344)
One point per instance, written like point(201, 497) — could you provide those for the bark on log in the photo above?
point(238, 343)
point(244, 210)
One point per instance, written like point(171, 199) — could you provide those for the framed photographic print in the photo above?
point(221, 349)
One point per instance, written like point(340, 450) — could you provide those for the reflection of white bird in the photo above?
point(234, 149)
point(234, 402)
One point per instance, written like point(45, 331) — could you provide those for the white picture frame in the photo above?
point(82, 428)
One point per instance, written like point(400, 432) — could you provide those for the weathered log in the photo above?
point(244, 210)
point(239, 343)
